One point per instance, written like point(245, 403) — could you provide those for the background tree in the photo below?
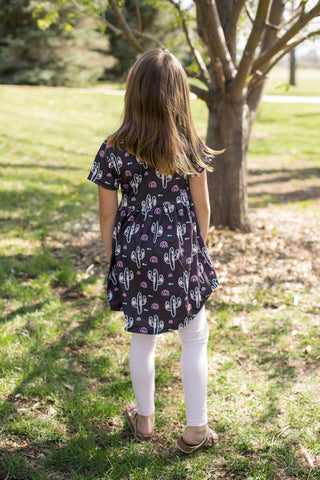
point(41, 43)
point(160, 23)
point(233, 83)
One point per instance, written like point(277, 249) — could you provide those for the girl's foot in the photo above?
point(209, 438)
point(194, 435)
point(143, 431)
point(145, 424)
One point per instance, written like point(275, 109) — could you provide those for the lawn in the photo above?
point(64, 376)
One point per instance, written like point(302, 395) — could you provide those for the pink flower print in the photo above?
point(194, 278)
point(109, 174)
point(133, 199)
point(138, 319)
point(203, 289)
point(119, 264)
point(170, 275)
point(169, 227)
point(170, 321)
point(189, 260)
point(165, 293)
point(125, 186)
point(126, 154)
point(153, 260)
point(175, 188)
point(142, 225)
point(101, 153)
point(144, 237)
point(125, 247)
point(128, 173)
point(180, 212)
point(164, 244)
point(189, 307)
point(157, 211)
point(146, 174)
point(123, 213)
point(116, 289)
point(155, 306)
point(143, 330)
point(143, 285)
point(192, 213)
point(152, 184)
point(131, 218)
point(138, 272)
point(124, 294)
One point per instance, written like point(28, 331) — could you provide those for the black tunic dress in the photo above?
point(160, 273)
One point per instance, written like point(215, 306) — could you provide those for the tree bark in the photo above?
point(292, 79)
point(229, 128)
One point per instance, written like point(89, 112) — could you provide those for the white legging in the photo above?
point(194, 369)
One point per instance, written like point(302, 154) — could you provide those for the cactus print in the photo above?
point(161, 273)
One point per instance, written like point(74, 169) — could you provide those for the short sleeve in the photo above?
point(105, 170)
point(207, 160)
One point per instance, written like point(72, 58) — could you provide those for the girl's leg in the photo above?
point(142, 369)
point(194, 372)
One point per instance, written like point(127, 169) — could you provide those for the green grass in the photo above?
point(307, 82)
point(64, 376)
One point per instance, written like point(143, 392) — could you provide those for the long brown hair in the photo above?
point(157, 125)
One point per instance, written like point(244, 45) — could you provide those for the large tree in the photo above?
point(233, 82)
point(232, 69)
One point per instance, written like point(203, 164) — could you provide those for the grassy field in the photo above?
point(64, 376)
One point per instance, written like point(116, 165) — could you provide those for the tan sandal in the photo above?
point(210, 439)
point(131, 416)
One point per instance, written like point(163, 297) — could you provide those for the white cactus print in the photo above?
point(129, 321)
point(137, 179)
point(171, 257)
point(157, 231)
point(114, 162)
point(173, 304)
point(96, 172)
point(196, 296)
point(156, 279)
point(148, 204)
point(131, 230)
point(125, 277)
point(183, 282)
point(181, 231)
point(137, 255)
point(138, 302)
point(165, 179)
point(156, 324)
point(168, 210)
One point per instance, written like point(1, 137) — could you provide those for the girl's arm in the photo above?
point(200, 197)
point(108, 206)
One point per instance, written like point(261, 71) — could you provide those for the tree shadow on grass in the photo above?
point(284, 175)
point(262, 198)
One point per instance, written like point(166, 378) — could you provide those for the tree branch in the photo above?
point(211, 31)
point(117, 30)
point(201, 93)
point(281, 43)
point(249, 13)
point(138, 15)
point(246, 61)
point(124, 26)
point(204, 74)
point(260, 76)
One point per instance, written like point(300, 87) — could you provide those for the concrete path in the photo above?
point(266, 98)
point(290, 99)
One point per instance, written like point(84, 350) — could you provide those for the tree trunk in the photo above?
point(292, 79)
point(229, 129)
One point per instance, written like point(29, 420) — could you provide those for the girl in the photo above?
point(160, 272)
